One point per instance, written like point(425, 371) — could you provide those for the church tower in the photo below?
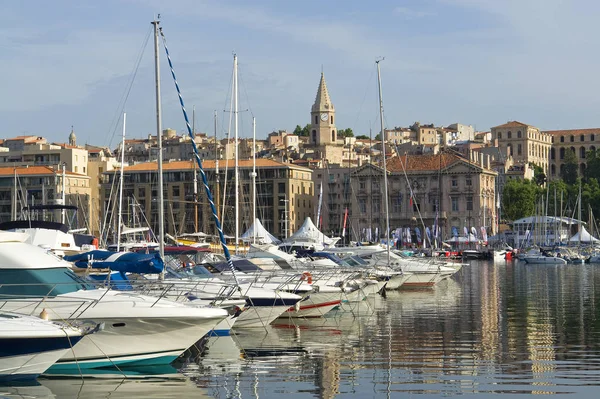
point(72, 138)
point(322, 129)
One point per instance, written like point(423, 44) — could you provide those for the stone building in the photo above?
point(580, 141)
point(43, 185)
point(459, 191)
point(524, 143)
point(334, 181)
point(284, 195)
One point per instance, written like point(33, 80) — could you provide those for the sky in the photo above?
point(477, 62)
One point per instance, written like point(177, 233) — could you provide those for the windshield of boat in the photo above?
point(40, 282)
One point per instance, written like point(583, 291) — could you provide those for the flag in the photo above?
point(345, 219)
point(466, 231)
point(474, 231)
point(484, 235)
point(454, 231)
point(418, 233)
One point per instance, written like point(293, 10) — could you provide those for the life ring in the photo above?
point(306, 276)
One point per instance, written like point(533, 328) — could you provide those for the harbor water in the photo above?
point(507, 329)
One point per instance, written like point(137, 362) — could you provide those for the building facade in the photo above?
point(524, 143)
point(24, 186)
point(580, 141)
point(457, 191)
point(284, 196)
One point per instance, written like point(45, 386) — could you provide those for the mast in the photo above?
point(218, 182)
point(63, 196)
point(195, 173)
point(161, 204)
point(120, 217)
point(236, 172)
point(579, 213)
point(254, 178)
point(14, 207)
point(385, 187)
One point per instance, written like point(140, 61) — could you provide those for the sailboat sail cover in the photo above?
point(262, 235)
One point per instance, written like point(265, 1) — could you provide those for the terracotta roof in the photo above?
point(27, 139)
point(208, 164)
point(34, 170)
point(421, 162)
point(573, 132)
point(512, 124)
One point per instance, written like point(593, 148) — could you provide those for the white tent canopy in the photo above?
point(309, 232)
point(262, 235)
point(585, 237)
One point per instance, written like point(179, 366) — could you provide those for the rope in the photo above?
point(200, 168)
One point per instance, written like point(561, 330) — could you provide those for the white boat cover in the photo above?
point(262, 235)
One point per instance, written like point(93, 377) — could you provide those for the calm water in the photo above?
point(492, 329)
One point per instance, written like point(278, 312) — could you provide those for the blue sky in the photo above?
point(479, 62)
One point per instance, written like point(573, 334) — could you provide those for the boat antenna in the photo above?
point(200, 168)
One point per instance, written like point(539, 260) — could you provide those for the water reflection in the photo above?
point(507, 328)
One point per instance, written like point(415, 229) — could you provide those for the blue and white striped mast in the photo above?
point(200, 168)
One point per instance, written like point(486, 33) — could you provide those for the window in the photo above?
point(469, 203)
point(572, 138)
point(582, 138)
point(454, 181)
point(314, 136)
point(175, 191)
point(332, 119)
point(333, 135)
point(552, 154)
point(454, 201)
point(519, 149)
point(592, 137)
point(281, 188)
point(362, 205)
point(499, 135)
point(509, 135)
point(316, 119)
point(562, 153)
point(562, 139)
point(553, 169)
point(469, 181)
point(519, 134)
point(582, 152)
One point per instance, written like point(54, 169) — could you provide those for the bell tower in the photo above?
point(322, 129)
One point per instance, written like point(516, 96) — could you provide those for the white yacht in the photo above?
point(30, 345)
point(137, 329)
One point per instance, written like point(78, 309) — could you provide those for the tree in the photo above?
point(378, 137)
point(569, 173)
point(298, 130)
point(539, 177)
point(362, 137)
point(518, 199)
point(345, 133)
point(302, 131)
point(592, 171)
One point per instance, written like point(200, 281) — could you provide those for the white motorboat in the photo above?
point(138, 329)
point(30, 345)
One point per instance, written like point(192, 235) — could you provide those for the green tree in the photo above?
point(518, 199)
point(302, 131)
point(539, 177)
point(569, 173)
point(592, 170)
point(378, 137)
point(345, 133)
point(362, 137)
point(298, 130)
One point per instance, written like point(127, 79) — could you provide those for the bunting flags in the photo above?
point(484, 235)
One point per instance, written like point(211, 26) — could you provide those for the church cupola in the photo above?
point(72, 138)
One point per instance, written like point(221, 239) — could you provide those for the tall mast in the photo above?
point(14, 206)
point(217, 181)
point(579, 213)
point(161, 204)
point(254, 178)
point(236, 172)
point(385, 186)
point(195, 173)
point(120, 217)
